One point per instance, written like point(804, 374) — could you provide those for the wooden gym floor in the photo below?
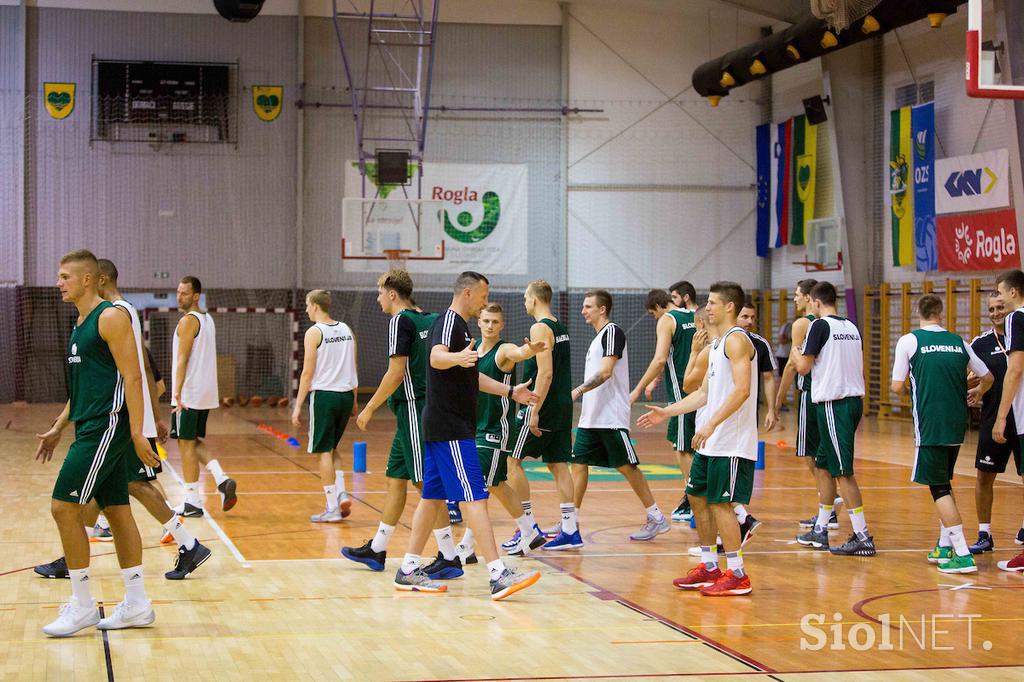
point(277, 602)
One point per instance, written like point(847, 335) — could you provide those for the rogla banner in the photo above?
point(978, 241)
point(979, 182)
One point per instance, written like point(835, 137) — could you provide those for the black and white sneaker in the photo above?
point(833, 522)
point(856, 546)
point(54, 569)
point(188, 510)
point(366, 556)
point(815, 537)
point(1019, 540)
point(227, 494)
point(984, 543)
point(747, 528)
point(188, 561)
point(444, 569)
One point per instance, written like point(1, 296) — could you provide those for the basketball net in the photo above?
point(397, 258)
point(839, 14)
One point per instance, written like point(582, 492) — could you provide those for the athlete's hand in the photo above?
point(649, 391)
point(297, 415)
point(634, 395)
point(162, 431)
point(179, 406)
point(770, 420)
point(700, 340)
point(974, 395)
point(999, 430)
point(467, 357)
point(700, 438)
point(536, 346)
point(656, 415)
point(973, 380)
point(364, 418)
point(47, 442)
point(523, 395)
point(144, 451)
point(535, 424)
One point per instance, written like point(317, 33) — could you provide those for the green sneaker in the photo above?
point(959, 564)
point(940, 554)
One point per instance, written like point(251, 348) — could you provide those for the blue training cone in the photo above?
point(294, 442)
point(759, 464)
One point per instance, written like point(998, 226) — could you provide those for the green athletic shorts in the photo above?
point(721, 479)
point(807, 436)
point(683, 442)
point(603, 448)
point(94, 466)
point(136, 470)
point(329, 412)
point(837, 425)
point(493, 463)
point(406, 458)
point(552, 447)
point(189, 424)
point(933, 464)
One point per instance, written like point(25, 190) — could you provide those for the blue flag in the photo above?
point(922, 129)
point(764, 195)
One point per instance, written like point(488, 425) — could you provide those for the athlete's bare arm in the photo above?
point(310, 342)
point(509, 354)
point(604, 373)
point(442, 358)
point(389, 383)
point(520, 393)
point(1011, 382)
point(116, 330)
point(696, 368)
point(691, 403)
point(663, 347)
point(188, 328)
point(800, 327)
point(48, 439)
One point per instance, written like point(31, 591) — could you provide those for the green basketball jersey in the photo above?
point(938, 381)
point(95, 387)
point(675, 368)
point(407, 336)
point(556, 413)
point(804, 382)
point(493, 412)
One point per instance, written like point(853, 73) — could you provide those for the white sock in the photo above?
point(985, 528)
point(944, 540)
point(860, 524)
point(192, 495)
point(80, 586)
point(102, 522)
point(467, 540)
point(525, 527)
point(956, 535)
point(410, 563)
point(134, 588)
point(218, 474)
point(445, 542)
point(496, 568)
point(655, 513)
point(734, 562)
point(708, 557)
point(177, 530)
point(824, 514)
point(380, 540)
point(528, 512)
point(741, 513)
point(569, 525)
point(332, 497)
point(339, 480)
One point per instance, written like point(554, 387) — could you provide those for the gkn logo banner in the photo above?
point(979, 182)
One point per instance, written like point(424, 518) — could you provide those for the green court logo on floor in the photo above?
point(538, 471)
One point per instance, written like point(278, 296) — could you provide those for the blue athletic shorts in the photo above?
point(451, 471)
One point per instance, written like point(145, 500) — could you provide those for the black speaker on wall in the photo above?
point(238, 10)
point(814, 108)
point(392, 166)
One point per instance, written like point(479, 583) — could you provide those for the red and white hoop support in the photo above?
point(973, 63)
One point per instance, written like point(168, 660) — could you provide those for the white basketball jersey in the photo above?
point(148, 423)
point(838, 370)
point(737, 435)
point(607, 406)
point(335, 359)
point(199, 391)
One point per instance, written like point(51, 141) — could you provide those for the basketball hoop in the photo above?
point(396, 258)
point(839, 14)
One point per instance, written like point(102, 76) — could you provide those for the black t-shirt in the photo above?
point(765, 357)
point(450, 410)
point(990, 348)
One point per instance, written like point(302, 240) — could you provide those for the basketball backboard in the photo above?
point(984, 76)
point(824, 245)
point(371, 228)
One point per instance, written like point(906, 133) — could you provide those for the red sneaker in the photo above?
point(728, 586)
point(1016, 564)
point(698, 576)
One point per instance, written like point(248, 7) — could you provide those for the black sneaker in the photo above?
point(854, 546)
point(188, 561)
point(366, 556)
point(54, 569)
point(189, 510)
point(747, 528)
point(833, 522)
point(683, 513)
point(227, 493)
point(444, 569)
point(818, 539)
point(1019, 540)
point(984, 543)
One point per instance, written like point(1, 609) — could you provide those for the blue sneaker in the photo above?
point(444, 569)
point(512, 544)
point(565, 541)
point(454, 513)
point(366, 556)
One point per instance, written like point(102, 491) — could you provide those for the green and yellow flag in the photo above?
point(900, 167)
point(805, 148)
point(59, 99)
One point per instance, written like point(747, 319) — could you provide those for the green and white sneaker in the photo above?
point(959, 564)
point(940, 555)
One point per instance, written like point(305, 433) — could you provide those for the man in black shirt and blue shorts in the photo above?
point(451, 466)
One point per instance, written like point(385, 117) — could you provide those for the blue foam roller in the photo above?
point(294, 442)
point(759, 464)
point(693, 522)
point(359, 458)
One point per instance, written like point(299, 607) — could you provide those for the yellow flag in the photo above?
point(267, 101)
point(59, 99)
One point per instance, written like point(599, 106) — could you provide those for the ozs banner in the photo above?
point(979, 241)
point(979, 182)
point(485, 216)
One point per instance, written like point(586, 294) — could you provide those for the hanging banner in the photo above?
point(978, 182)
point(781, 174)
point(485, 216)
point(900, 192)
point(922, 130)
point(978, 241)
point(764, 161)
point(805, 144)
point(59, 99)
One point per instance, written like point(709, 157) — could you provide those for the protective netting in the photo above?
point(839, 14)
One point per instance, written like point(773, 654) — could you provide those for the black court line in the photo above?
point(106, 651)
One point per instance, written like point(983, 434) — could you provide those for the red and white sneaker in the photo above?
point(344, 504)
point(728, 586)
point(698, 576)
point(1014, 565)
point(168, 538)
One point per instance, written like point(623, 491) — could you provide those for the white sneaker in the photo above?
point(694, 551)
point(467, 553)
point(344, 504)
point(327, 516)
point(128, 615)
point(72, 618)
